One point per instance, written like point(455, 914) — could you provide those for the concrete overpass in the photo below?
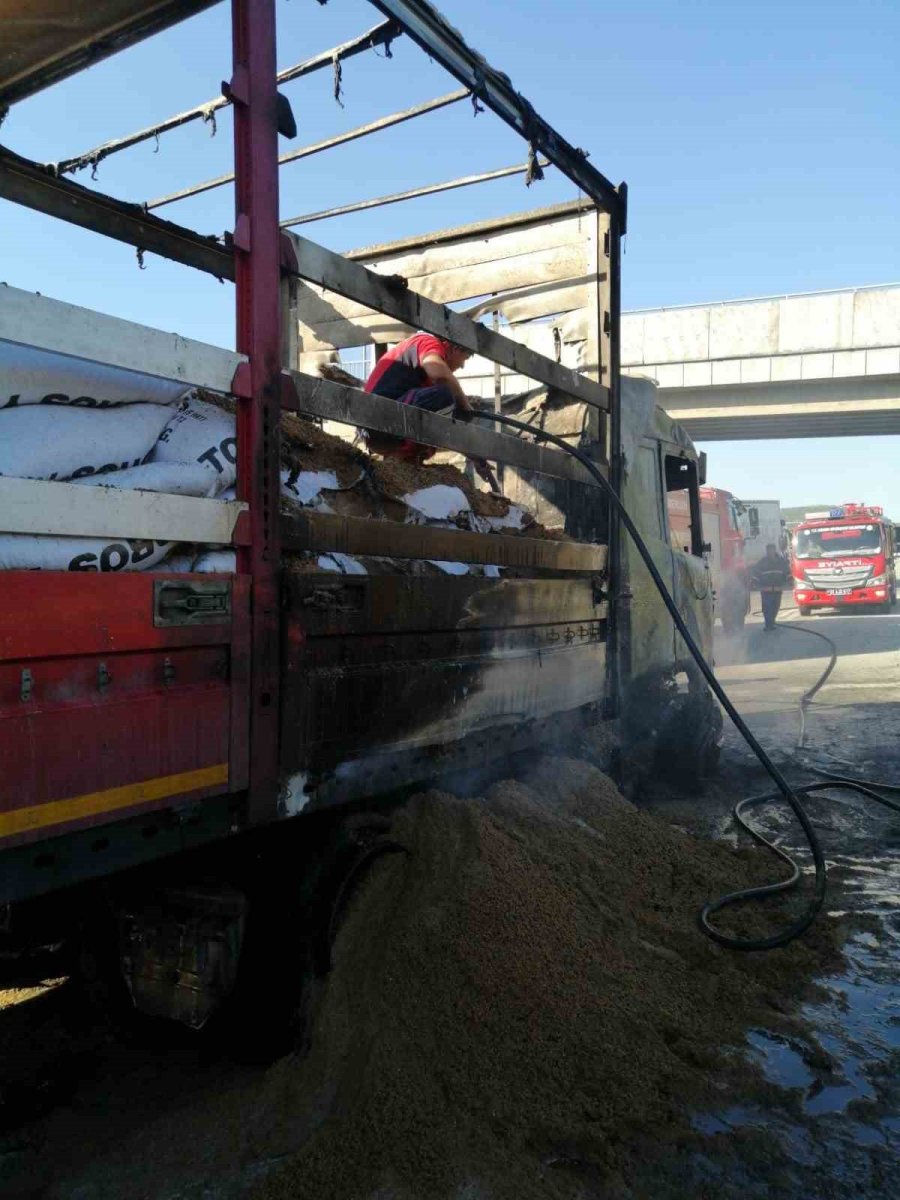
point(820, 364)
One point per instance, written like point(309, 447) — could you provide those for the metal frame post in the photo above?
point(253, 91)
point(619, 618)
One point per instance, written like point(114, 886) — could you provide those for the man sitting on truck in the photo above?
point(770, 575)
point(420, 371)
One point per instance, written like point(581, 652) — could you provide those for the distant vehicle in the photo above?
point(721, 519)
point(844, 557)
point(762, 525)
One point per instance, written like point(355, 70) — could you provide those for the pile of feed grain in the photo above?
point(520, 1000)
point(520, 1008)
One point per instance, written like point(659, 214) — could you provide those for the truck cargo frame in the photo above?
point(186, 672)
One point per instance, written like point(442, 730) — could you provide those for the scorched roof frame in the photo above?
point(429, 30)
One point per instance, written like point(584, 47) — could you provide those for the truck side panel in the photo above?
point(400, 671)
point(105, 713)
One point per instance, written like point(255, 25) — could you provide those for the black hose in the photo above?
point(807, 697)
point(770, 889)
point(791, 795)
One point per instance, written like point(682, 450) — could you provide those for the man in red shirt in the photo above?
point(420, 371)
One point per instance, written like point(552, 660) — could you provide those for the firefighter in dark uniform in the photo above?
point(770, 575)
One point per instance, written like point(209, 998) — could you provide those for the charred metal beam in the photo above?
point(338, 402)
point(396, 197)
point(318, 265)
point(380, 35)
point(34, 186)
point(101, 42)
point(443, 43)
point(475, 229)
point(323, 532)
point(340, 139)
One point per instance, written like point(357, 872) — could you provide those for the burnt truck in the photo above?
point(196, 760)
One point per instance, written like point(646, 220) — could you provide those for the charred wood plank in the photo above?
point(318, 265)
point(352, 406)
point(324, 532)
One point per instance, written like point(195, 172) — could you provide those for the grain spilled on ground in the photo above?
point(524, 996)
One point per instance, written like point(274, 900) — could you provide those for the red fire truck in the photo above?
point(844, 557)
point(723, 545)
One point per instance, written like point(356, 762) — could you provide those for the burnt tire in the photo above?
point(294, 910)
point(689, 746)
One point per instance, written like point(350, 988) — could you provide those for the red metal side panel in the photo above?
point(102, 714)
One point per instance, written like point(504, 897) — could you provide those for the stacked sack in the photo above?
point(73, 421)
point(107, 428)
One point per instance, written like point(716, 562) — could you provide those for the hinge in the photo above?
point(27, 685)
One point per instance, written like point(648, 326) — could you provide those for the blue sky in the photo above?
point(760, 141)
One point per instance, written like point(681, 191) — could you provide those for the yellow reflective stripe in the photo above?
point(60, 812)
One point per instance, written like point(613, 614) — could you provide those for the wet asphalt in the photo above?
point(830, 1124)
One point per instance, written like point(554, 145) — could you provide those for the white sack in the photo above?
point(58, 442)
point(342, 563)
point(177, 564)
point(450, 568)
point(222, 561)
point(30, 376)
point(305, 486)
point(25, 552)
point(440, 502)
point(177, 479)
point(200, 433)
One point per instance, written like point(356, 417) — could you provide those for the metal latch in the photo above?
point(177, 603)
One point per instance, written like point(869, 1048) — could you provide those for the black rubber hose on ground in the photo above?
point(791, 795)
point(807, 697)
point(770, 889)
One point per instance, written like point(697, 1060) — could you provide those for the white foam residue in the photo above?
point(438, 503)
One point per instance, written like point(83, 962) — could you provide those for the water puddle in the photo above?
point(841, 1074)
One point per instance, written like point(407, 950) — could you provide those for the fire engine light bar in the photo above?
point(836, 512)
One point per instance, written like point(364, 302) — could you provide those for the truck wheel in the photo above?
point(294, 915)
point(689, 746)
point(804, 610)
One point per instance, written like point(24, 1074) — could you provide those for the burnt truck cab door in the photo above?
point(661, 493)
point(658, 673)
